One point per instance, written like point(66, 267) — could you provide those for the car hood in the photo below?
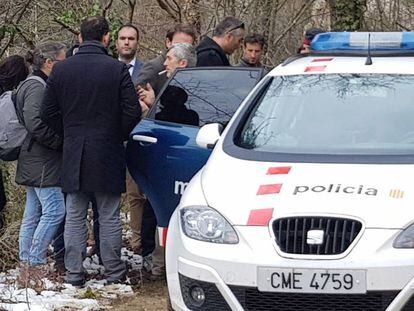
point(245, 192)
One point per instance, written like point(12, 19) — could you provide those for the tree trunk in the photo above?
point(347, 15)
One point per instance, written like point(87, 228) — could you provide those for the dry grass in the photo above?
point(9, 235)
point(9, 252)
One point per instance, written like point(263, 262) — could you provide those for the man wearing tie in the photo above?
point(127, 45)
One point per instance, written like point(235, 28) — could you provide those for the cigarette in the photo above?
point(162, 72)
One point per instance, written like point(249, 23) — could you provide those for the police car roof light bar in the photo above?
point(360, 41)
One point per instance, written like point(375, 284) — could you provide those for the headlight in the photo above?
point(405, 239)
point(205, 224)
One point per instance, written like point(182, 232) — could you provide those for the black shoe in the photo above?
point(76, 283)
point(151, 277)
point(111, 282)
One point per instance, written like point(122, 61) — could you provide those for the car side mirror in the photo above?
point(208, 135)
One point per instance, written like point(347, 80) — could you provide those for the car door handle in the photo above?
point(144, 139)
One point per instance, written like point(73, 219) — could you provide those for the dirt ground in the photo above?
point(148, 297)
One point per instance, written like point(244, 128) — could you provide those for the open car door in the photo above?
point(162, 154)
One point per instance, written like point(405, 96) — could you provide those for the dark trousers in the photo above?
point(149, 226)
point(108, 205)
point(59, 243)
point(2, 200)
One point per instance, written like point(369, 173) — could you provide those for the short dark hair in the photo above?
point(184, 28)
point(227, 25)
point(129, 25)
point(13, 70)
point(94, 28)
point(312, 32)
point(255, 38)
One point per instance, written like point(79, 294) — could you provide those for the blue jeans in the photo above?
point(44, 213)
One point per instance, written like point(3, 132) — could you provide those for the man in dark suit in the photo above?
point(90, 99)
point(127, 46)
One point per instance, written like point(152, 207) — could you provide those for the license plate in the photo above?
point(311, 281)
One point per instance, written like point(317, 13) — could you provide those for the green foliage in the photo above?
point(68, 17)
point(73, 18)
point(90, 294)
point(7, 29)
point(347, 15)
point(115, 23)
point(96, 9)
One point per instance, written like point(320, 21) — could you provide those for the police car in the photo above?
point(306, 201)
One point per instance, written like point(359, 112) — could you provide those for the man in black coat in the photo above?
point(91, 100)
point(227, 38)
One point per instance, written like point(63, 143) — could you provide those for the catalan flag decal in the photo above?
point(396, 194)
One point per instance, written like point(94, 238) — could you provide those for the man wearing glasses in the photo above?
point(227, 38)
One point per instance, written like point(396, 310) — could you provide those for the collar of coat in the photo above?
point(92, 47)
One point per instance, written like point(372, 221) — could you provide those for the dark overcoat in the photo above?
point(91, 100)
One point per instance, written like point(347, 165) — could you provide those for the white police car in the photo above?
point(307, 200)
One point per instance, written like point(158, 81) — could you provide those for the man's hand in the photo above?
point(146, 95)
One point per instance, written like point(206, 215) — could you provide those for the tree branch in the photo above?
point(107, 7)
point(67, 27)
point(295, 20)
point(164, 4)
point(131, 5)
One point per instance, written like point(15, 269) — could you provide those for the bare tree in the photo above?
point(347, 14)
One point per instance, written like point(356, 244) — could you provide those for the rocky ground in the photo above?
point(55, 295)
point(149, 297)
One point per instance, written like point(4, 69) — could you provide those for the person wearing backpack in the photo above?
point(13, 70)
point(39, 168)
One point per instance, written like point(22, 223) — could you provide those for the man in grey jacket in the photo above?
point(153, 71)
point(154, 74)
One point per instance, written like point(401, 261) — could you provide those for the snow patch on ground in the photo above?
point(60, 296)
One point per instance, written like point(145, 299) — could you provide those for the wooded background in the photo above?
point(24, 23)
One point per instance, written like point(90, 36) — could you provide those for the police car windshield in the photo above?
point(356, 114)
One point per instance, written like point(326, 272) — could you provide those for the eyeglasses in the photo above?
point(241, 26)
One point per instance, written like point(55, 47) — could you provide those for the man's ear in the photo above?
point(80, 38)
point(168, 43)
point(106, 39)
point(183, 63)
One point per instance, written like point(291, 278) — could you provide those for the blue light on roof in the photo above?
point(379, 41)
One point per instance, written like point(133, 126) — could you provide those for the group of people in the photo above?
point(79, 106)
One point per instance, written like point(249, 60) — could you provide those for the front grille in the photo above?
point(213, 301)
point(291, 234)
point(251, 299)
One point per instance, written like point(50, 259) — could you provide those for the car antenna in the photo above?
point(369, 59)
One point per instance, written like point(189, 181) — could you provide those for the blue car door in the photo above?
point(162, 154)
